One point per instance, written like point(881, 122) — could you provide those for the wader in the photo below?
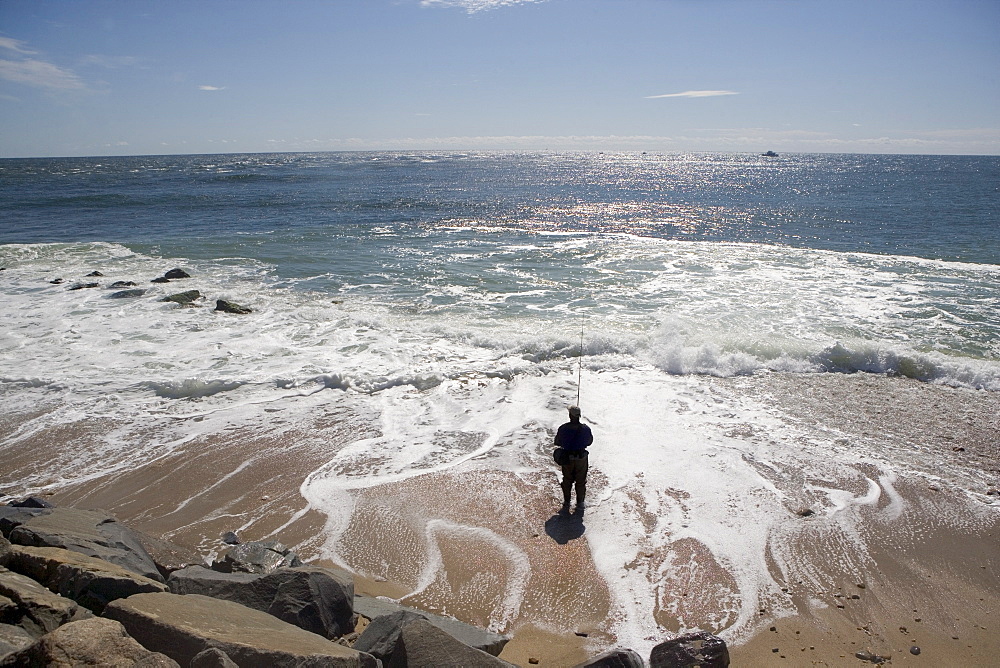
point(575, 473)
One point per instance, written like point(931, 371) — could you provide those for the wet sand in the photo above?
point(929, 577)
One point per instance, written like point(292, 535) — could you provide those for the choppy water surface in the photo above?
point(447, 296)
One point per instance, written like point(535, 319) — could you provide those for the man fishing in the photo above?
point(574, 437)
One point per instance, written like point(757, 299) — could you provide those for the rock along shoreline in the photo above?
point(77, 587)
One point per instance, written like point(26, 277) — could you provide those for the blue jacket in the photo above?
point(574, 436)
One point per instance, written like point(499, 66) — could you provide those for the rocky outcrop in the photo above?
point(12, 639)
point(212, 658)
point(33, 607)
point(231, 307)
point(90, 532)
point(127, 294)
point(693, 649)
point(93, 583)
point(616, 658)
point(12, 517)
point(380, 636)
point(184, 626)
point(420, 643)
point(316, 599)
point(261, 606)
point(491, 643)
point(187, 298)
point(89, 642)
point(83, 286)
point(256, 557)
point(176, 273)
point(117, 285)
point(31, 502)
point(168, 556)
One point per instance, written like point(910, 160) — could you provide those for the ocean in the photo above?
point(454, 304)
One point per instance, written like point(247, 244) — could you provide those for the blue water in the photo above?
point(707, 263)
point(935, 207)
point(426, 318)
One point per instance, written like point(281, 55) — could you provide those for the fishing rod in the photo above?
point(579, 364)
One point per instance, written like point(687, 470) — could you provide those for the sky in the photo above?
point(137, 77)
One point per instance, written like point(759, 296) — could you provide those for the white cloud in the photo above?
point(211, 87)
point(473, 6)
point(694, 93)
point(40, 74)
point(15, 45)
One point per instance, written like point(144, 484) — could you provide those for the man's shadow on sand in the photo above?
point(565, 526)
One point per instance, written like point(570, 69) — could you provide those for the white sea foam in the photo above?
point(447, 382)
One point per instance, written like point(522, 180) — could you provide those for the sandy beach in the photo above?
point(927, 576)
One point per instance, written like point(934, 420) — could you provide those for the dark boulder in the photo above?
point(12, 639)
point(693, 649)
point(12, 517)
point(88, 642)
point(56, 281)
point(187, 298)
point(184, 626)
point(236, 587)
point(230, 538)
point(256, 557)
point(167, 556)
point(9, 612)
point(212, 658)
point(94, 274)
point(31, 502)
point(89, 581)
point(231, 307)
point(127, 294)
point(33, 607)
point(122, 284)
point(83, 286)
point(176, 273)
point(160, 279)
point(616, 658)
point(380, 636)
point(315, 599)
point(90, 532)
point(420, 643)
point(492, 643)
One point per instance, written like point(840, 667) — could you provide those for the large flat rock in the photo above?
point(91, 532)
point(91, 582)
point(491, 643)
point(423, 645)
point(182, 626)
point(315, 599)
point(13, 638)
point(12, 517)
point(89, 642)
point(33, 607)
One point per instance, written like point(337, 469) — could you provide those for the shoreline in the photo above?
point(935, 556)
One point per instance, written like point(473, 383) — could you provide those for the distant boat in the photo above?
point(770, 154)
